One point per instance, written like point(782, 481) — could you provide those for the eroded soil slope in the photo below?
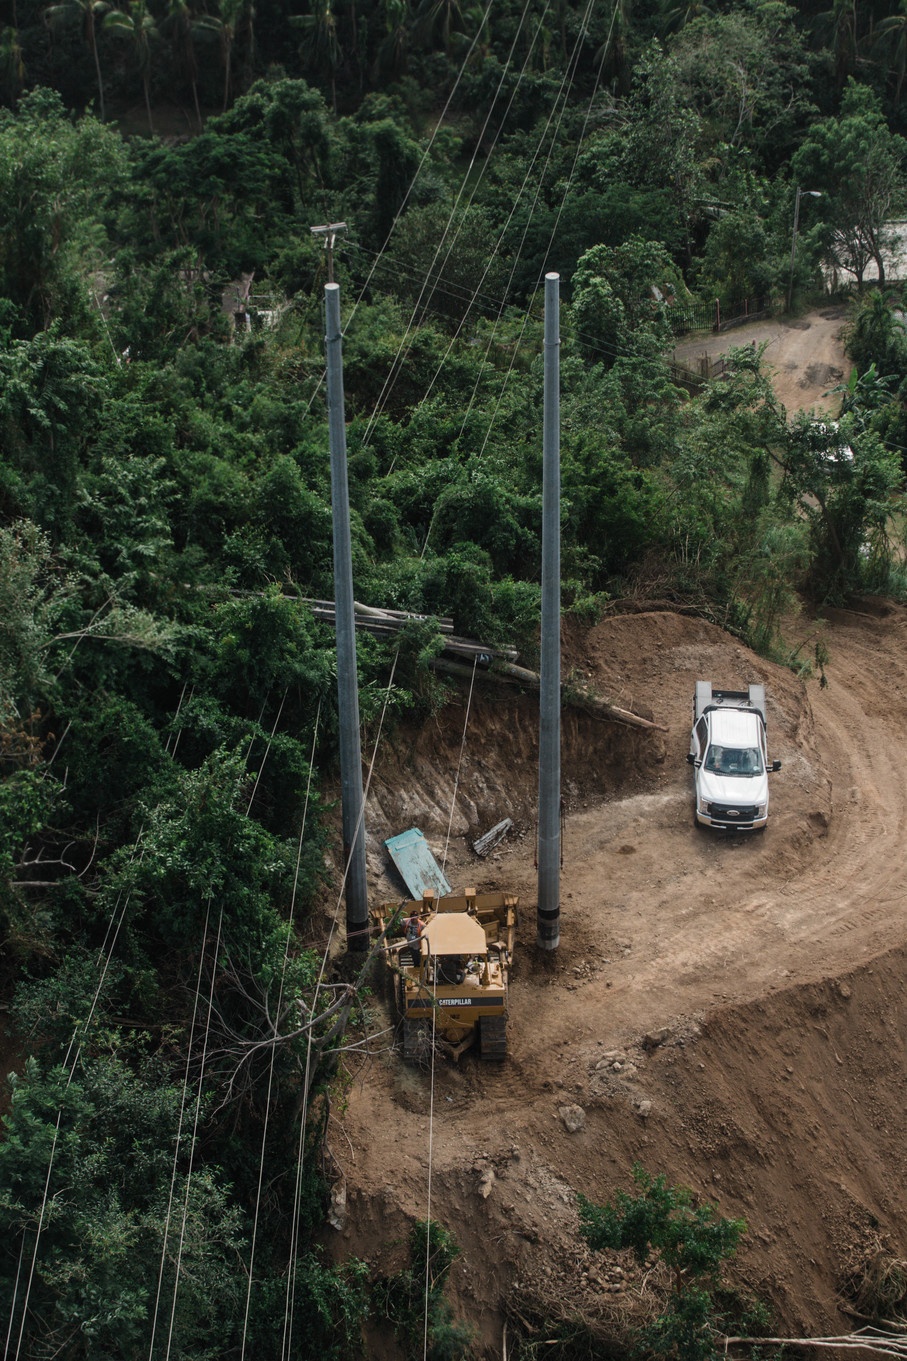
point(727, 1011)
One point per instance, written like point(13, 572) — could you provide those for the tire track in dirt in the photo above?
point(694, 917)
point(662, 922)
point(861, 725)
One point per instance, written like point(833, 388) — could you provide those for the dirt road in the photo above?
point(804, 354)
point(728, 1011)
point(733, 957)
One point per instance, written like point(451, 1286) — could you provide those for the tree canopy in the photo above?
point(168, 711)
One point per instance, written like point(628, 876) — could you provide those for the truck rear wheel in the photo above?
point(493, 1038)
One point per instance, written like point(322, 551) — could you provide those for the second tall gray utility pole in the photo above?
point(549, 848)
point(356, 891)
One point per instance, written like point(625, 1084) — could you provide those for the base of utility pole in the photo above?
point(549, 929)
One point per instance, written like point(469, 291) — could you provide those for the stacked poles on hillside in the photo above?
point(356, 892)
point(549, 843)
point(384, 623)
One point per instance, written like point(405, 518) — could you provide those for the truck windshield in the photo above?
point(734, 760)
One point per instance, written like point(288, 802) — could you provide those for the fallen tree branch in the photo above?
point(317, 1018)
point(864, 1339)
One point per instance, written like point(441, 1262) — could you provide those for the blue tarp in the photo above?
point(420, 870)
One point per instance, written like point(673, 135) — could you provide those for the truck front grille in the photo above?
point(731, 814)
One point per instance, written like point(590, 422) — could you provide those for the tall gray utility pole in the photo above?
point(357, 933)
point(549, 900)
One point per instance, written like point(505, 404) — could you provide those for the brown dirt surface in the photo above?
point(725, 1010)
point(804, 355)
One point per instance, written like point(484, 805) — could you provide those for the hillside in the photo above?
point(187, 1090)
point(721, 1010)
point(768, 970)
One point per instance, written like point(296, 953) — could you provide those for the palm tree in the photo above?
point(325, 50)
point(12, 67)
point(136, 24)
point(226, 25)
point(184, 25)
point(438, 18)
point(391, 56)
point(612, 55)
point(89, 11)
point(673, 17)
point(876, 331)
point(891, 44)
point(840, 26)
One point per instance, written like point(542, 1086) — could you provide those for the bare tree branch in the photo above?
point(864, 1339)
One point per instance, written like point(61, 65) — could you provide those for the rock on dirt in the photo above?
point(573, 1118)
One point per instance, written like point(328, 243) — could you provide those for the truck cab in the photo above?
point(729, 755)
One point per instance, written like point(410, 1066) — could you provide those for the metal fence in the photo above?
point(712, 316)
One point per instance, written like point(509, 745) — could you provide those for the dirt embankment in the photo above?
point(766, 973)
point(726, 1011)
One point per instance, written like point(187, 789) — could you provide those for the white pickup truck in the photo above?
point(730, 759)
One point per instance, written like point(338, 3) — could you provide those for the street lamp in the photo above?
point(812, 193)
point(330, 232)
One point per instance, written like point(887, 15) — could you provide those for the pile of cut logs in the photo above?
point(462, 656)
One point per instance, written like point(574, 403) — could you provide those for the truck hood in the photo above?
point(732, 790)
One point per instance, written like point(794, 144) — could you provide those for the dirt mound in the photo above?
point(724, 1010)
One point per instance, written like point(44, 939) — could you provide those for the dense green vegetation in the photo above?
point(414, 1303)
point(167, 699)
point(662, 1225)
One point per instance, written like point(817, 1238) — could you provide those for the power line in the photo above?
point(194, 1139)
point(526, 226)
point(288, 1329)
point(402, 348)
point(581, 34)
point(273, 1056)
point(179, 1135)
point(399, 213)
point(297, 1192)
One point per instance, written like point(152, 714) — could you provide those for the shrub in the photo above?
point(663, 1224)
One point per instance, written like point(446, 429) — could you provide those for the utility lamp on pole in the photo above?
point(330, 232)
point(811, 193)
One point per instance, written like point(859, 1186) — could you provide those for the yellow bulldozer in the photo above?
point(449, 958)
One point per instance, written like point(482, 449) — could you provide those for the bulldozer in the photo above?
point(449, 960)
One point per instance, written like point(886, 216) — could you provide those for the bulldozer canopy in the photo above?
point(455, 933)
